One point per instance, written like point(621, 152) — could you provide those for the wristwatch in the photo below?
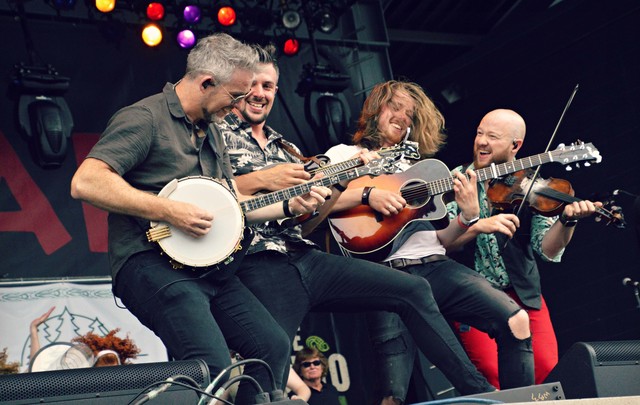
point(469, 223)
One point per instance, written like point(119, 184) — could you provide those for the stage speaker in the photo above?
point(533, 393)
point(599, 369)
point(102, 385)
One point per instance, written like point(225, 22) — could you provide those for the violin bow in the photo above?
point(537, 171)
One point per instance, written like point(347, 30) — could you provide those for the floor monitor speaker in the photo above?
point(533, 393)
point(102, 385)
point(599, 369)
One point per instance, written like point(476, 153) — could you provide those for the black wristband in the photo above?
point(566, 222)
point(286, 210)
point(339, 187)
point(365, 195)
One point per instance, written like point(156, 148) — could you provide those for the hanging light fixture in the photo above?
point(155, 11)
point(151, 35)
point(291, 19)
point(291, 46)
point(186, 38)
point(192, 14)
point(105, 6)
point(227, 16)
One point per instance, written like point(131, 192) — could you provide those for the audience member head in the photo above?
point(311, 364)
point(109, 350)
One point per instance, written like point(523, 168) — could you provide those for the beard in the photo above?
point(253, 120)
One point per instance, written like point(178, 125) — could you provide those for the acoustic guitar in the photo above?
point(362, 230)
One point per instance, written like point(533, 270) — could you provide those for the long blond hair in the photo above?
point(427, 127)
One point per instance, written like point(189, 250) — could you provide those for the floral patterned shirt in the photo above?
point(488, 260)
point(247, 156)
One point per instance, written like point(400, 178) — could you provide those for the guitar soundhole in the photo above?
point(415, 193)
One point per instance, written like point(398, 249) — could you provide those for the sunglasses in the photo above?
point(307, 364)
point(235, 99)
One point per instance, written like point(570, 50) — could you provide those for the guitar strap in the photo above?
point(284, 145)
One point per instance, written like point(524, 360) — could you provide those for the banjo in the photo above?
point(228, 238)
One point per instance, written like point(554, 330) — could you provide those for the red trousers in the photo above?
point(483, 352)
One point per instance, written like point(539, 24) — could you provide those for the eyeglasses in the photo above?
point(235, 99)
point(307, 364)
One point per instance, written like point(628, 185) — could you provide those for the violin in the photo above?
point(547, 198)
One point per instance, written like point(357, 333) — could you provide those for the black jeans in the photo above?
point(462, 295)
point(291, 285)
point(196, 319)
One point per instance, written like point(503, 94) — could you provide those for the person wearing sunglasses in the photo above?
point(312, 366)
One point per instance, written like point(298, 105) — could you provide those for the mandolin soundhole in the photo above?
point(415, 193)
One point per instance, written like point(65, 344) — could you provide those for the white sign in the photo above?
point(79, 308)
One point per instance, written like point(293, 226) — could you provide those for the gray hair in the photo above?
point(220, 54)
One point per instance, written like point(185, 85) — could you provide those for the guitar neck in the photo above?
point(441, 186)
point(288, 193)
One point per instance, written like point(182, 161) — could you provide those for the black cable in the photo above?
point(214, 384)
point(237, 378)
point(193, 385)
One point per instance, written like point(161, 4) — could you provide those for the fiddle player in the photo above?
point(392, 109)
point(511, 266)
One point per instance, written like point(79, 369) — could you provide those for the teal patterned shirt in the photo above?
point(488, 260)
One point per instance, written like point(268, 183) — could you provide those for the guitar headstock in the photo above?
point(575, 153)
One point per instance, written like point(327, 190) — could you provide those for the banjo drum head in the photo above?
point(226, 230)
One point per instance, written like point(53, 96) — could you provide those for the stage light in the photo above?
point(151, 35)
point(186, 39)
point(291, 46)
point(44, 116)
point(227, 16)
point(105, 6)
point(192, 14)
point(291, 19)
point(325, 20)
point(155, 11)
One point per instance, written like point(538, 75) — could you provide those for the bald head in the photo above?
point(499, 137)
point(510, 121)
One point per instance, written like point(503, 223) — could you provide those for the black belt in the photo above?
point(400, 263)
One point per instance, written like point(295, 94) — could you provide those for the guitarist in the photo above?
point(390, 110)
point(511, 266)
point(292, 277)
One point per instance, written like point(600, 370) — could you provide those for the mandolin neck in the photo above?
point(291, 192)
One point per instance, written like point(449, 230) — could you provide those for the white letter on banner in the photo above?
point(339, 372)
